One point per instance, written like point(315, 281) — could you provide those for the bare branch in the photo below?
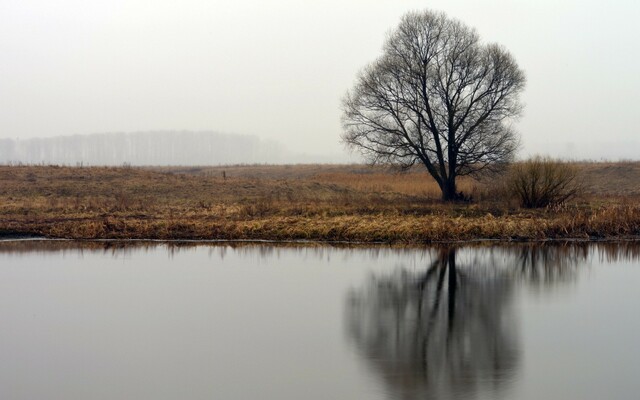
point(438, 96)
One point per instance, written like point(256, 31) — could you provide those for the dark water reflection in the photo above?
point(450, 330)
point(439, 333)
point(278, 322)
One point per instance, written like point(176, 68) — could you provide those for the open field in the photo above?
point(301, 202)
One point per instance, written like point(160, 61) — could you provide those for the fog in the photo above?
point(153, 148)
point(277, 70)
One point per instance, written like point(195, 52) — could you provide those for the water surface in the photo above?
point(239, 322)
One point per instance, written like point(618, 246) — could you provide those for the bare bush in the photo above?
point(542, 181)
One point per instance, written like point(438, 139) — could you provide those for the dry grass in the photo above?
point(314, 202)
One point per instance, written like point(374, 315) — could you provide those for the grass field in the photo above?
point(301, 202)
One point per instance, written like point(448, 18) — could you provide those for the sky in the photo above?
point(278, 69)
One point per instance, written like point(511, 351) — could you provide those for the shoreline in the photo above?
point(8, 244)
point(449, 226)
point(10, 238)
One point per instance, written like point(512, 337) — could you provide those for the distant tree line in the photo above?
point(144, 148)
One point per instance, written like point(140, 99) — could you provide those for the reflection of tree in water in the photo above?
point(450, 330)
point(542, 266)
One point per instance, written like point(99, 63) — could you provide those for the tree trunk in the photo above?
point(449, 189)
point(453, 285)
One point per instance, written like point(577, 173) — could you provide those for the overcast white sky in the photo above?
point(279, 68)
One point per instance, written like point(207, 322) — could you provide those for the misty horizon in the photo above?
point(210, 147)
point(278, 70)
point(171, 148)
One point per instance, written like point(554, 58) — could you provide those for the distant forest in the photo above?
point(146, 148)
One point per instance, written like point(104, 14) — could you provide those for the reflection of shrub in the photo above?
point(542, 181)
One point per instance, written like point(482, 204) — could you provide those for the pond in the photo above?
point(159, 321)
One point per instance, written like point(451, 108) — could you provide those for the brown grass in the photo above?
point(309, 202)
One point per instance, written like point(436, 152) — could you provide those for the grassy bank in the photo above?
point(313, 202)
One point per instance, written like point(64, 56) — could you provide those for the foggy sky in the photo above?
point(278, 69)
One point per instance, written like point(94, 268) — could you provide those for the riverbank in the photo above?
point(320, 203)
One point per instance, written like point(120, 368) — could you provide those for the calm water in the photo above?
point(221, 322)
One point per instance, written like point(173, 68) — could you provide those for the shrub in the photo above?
point(542, 182)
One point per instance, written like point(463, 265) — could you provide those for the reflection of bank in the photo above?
point(443, 333)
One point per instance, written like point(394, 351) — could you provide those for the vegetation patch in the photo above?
point(306, 202)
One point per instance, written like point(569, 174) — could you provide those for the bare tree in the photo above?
point(436, 96)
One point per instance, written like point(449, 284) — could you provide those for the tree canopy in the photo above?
point(437, 96)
